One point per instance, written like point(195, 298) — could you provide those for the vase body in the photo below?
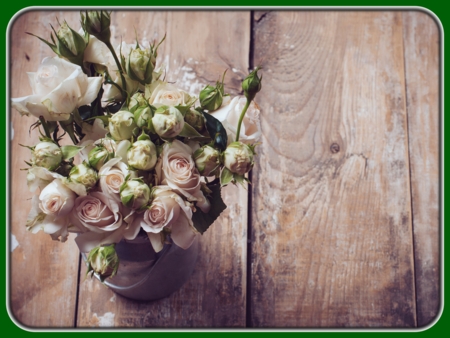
point(145, 275)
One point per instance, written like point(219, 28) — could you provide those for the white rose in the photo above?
point(96, 52)
point(229, 114)
point(39, 177)
point(58, 88)
point(176, 169)
point(162, 93)
point(169, 210)
point(49, 211)
point(112, 175)
point(56, 199)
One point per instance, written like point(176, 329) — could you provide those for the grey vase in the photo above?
point(146, 275)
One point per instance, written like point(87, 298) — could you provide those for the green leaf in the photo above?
point(70, 151)
point(190, 132)
point(216, 130)
point(225, 177)
point(202, 221)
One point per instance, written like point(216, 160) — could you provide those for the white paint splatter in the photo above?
point(11, 132)
point(113, 298)
point(107, 320)
point(14, 243)
point(235, 70)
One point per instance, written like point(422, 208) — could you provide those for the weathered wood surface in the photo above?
point(345, 195)
point(43, 274)
point(331, 213)
point(198, 51)
point(421, 36)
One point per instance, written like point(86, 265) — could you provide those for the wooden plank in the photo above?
point(331, 218)
point(421, 36)
point(43, 274)
point(197, 50)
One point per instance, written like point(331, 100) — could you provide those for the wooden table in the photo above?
point(340, 227)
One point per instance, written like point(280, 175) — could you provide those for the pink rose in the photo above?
point(176, 168)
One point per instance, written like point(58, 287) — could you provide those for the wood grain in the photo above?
point(43, 273)
point(331, 218)
point(196, 51)
point(422, 83)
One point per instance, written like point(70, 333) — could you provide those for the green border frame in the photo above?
point(10, 9)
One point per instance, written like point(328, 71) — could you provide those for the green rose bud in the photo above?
point(103, 261)
point(142, 116)
point(138, 100)
point(47, 155)
point(97, 23)
point(168, 122)
point(98, 156)
point(84, 174)
point(135, 194)
point(207, 160)
point(139, 65)
point(252, 84)
point(195, 119)
point(70, 43)
point(211, 97)
point(142, 155)
point(121, 125)
point(238, 158)
point(67, 44)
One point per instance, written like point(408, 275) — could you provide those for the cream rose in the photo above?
point(97, 212)
point(56, 199)
point(229, 114)
point(96, 52)
point(176, 169)
point(162, 93)
point(100, 219)
point(112, 175)
point(49, 211)
point(58, 88)
point(167, 210)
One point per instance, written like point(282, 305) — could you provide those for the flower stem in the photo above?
point(247, 104)
point(119, 66)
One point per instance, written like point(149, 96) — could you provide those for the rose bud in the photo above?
point(238, 158)
point(139, 66)
point(252, 84)
point(98, 156)
point(97, 23)
point(195, 119)
point(70, 44)
point(103, 261)
point(142, 116)
point(135, 194)
point(142, 154)
point(207, 160)
point(137, 101)
point(47, 155)
point(211, 97)
point(168, 121)
point(121, 125)
point(84, 174)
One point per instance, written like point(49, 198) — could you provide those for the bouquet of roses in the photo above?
point(146, 156)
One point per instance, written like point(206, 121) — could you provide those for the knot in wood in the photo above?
point(334, 148)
